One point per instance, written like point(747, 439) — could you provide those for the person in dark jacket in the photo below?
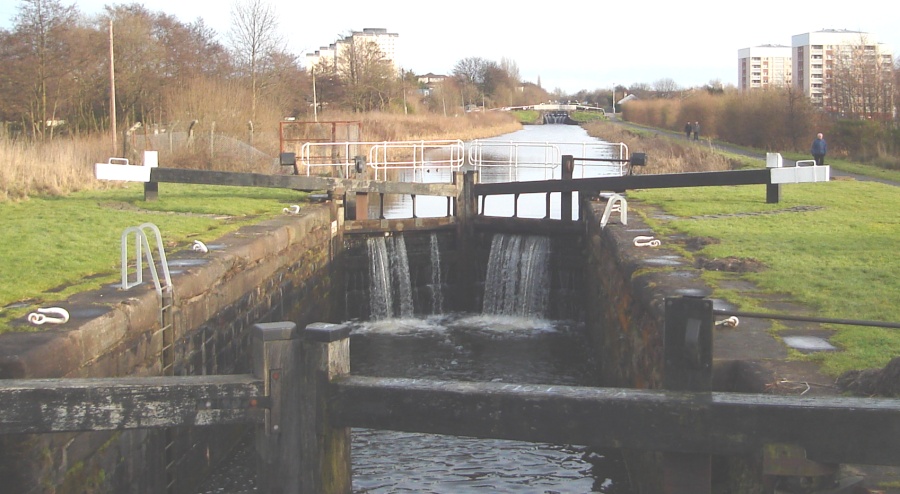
point(819, 148)
point(687, 130)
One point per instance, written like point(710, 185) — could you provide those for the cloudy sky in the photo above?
point(570, 45)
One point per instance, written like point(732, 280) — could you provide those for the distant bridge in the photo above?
point(552, 107)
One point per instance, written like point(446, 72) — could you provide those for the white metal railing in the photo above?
point(318, 157)
point(546, 155)
point(514, 154)
point(615, 150)
point(415, 155)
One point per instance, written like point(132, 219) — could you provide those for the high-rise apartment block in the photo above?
point(764, 67)
point(827, 62)
point(387, 43)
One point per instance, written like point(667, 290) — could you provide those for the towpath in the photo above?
point(724, 146)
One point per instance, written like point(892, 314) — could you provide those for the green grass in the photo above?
point(839, 260)
point(587, 116)
point(54, 247)
point(527, 116)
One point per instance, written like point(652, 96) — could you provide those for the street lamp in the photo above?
point(614, 98)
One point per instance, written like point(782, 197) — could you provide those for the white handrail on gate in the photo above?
point(414, 155)
point(526, 154)
point(616, 150)
point(322, 155)
point(383, 155)
point(507, 154)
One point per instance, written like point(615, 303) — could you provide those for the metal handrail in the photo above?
point(552, 154)
point(382, 155)
point(416, 155)
point(141, 243)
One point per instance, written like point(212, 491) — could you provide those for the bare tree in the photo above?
point(253, 38)
point(469, 74)
point(42, 58)
point(368, 75)
point(862, 82)
point(666, 88)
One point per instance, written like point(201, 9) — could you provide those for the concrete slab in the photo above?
point(808, 343)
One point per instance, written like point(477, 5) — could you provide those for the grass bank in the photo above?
point(830, 247)
point(60, 229)
point(55, 246)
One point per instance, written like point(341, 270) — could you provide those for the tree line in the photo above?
point(56, 76)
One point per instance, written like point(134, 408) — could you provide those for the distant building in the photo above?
point(430, 79)
point(387, 43)
point(820, 58)
point(764, 67)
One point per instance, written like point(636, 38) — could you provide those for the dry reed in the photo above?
point(664, 154)
point(57, 167)
point(65, 165)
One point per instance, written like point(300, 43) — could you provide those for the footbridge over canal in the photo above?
point(556, 113)
point(302, 398)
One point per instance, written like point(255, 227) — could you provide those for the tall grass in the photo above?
point(57, 167)
point(780, 121)
point(664, 155)
point(65, 165)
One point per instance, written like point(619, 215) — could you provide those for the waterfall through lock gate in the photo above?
point(518, 276)
point(390, 290)
point(436, 286)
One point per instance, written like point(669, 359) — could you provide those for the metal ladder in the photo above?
point(166, 294)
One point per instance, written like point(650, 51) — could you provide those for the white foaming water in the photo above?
point(518, 276)
point(390, 293)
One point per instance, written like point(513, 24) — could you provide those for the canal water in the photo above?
point(537, 152)
point(510, 342)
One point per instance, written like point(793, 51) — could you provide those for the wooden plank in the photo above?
point(832, 429)
point(399, 225)
point(298, 182)
point(534, 226)
point(695, 179)
point(70, 405)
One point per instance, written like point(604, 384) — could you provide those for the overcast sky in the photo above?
point(570, 45)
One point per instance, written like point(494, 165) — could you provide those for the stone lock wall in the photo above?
point(277, 270)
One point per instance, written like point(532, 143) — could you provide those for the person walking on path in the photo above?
point(696, 129)
point(687, 131)
point(819, 148)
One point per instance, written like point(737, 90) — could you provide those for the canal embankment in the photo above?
point(276, 270)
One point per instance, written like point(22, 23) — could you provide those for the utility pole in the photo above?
point(112, 91)
point(614, 99)
point(315, 101)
